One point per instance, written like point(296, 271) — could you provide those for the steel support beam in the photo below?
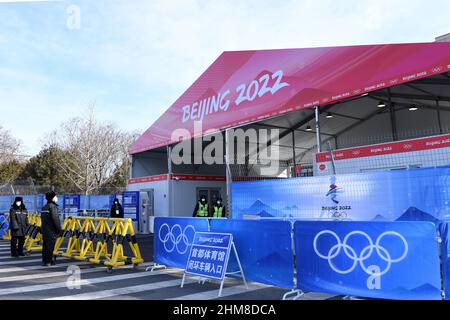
point(229, 177)
point(391, 107)
point(408, 105)
point(411, 96)
point(438, 111)
point(318, 137)
point(293, 154)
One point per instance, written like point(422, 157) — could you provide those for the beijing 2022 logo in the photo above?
point(336, 210)
point(344, 253)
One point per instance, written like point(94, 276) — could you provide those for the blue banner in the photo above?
point(402, 195)
point(130, 204)
point(4, 225)
point(444, 231)
point(71, 203)
point(264, 248)
point(173, 239)
point(388, 260)
point(209, 255)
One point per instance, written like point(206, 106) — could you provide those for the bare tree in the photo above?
point(9, 146)
point(93, 151)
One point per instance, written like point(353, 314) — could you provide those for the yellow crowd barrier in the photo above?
point(99, 241)
point(33, 236)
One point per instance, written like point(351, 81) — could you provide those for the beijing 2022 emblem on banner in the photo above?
point(336, 209)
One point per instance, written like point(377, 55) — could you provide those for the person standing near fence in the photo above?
point(116, 209)
point(51, 228)
point(18, 226)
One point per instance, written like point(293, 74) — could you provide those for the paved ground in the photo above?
point(25, 278)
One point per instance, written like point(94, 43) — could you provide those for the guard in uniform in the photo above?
point(218, 209)
point(51, 228)
point(117, 209)
point(201, 209)
point(18, 218)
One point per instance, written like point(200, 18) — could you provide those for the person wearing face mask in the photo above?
point(18, 218)
point(218, 209)
point(201, 209)
point(51, 228)
point(116, 209)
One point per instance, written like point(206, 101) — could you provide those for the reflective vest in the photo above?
point(218, 211)
point(202, 210)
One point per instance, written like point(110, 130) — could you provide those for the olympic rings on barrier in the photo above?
point(175, 240)
point(365, 253)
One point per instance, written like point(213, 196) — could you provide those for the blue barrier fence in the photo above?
point(388, 260)
point(419, 194)
point(444, 229)
point(36, 202)
point(173, 239)
point(264, 248)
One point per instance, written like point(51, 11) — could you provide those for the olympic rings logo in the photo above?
point(175, 236)
point(366, 253)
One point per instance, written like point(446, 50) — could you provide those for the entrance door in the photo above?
point(147, 210)
point(211, 194)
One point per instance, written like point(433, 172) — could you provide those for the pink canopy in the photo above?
point(247, 86)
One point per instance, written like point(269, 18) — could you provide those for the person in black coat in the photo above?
point(51, 228)
point(18, 225)
point(116, 209)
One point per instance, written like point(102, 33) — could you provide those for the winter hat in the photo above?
point(50, 195)
point(18, 199)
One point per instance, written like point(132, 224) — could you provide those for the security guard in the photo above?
point(201, 209)
point(51, 228)
point(218, 209)
point(116, 210)
point(18, 225)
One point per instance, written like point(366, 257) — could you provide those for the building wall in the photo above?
point(161, 195)
point(148, 164)
point(214, 170)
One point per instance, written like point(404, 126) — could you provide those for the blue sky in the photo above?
point(134, 58)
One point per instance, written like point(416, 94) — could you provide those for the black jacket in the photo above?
point(117, 211)
point(51, 225)
point(18, 222)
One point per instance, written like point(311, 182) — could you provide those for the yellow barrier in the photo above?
point(70, 229)
point(124, 230)
point(91, 238)
point(103, 235)
point(8, 234)
point(33, 237)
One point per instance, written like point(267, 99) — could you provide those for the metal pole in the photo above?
point(438, 109)
point(229, 177)
point(332, 158)
point(319, 140)
point(392, 116)
point(293, 154)
point(239, 264)
point(130, 173)
point(169, 171)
